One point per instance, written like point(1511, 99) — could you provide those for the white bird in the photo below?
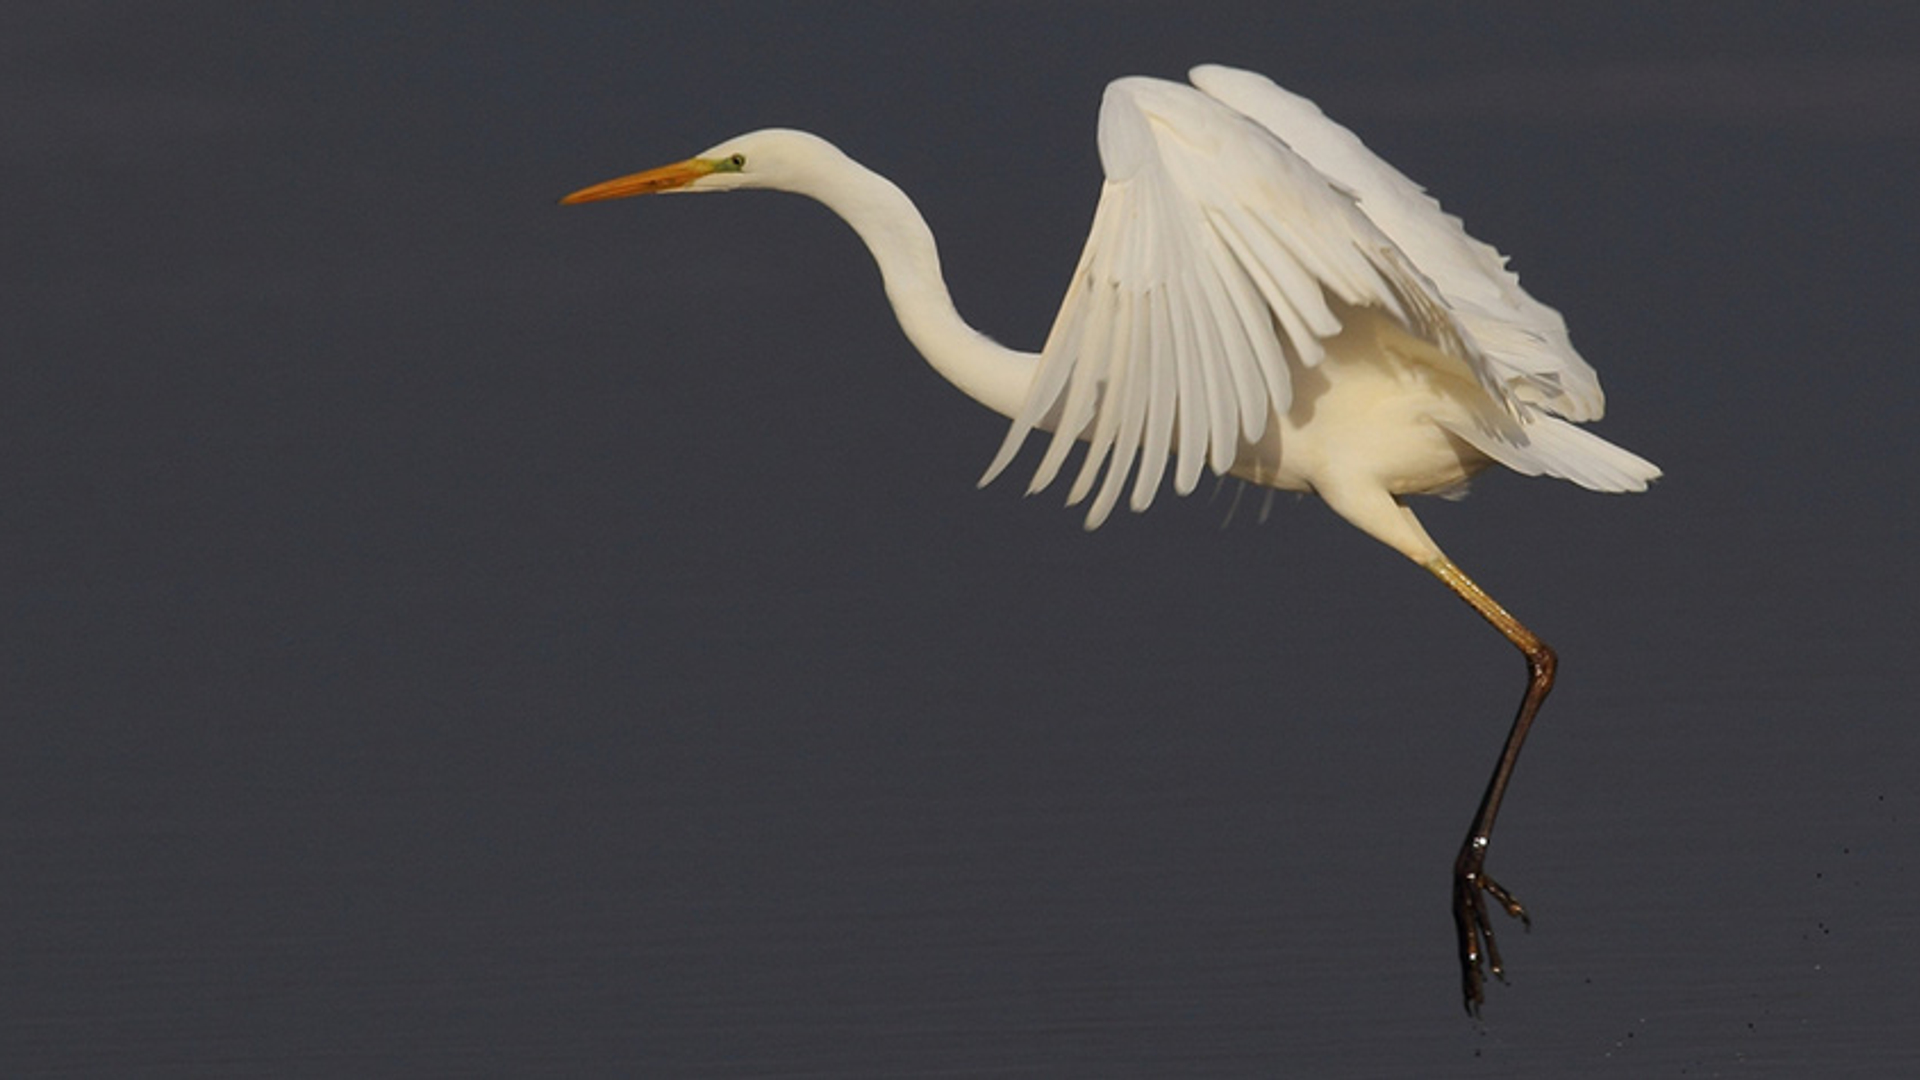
point(1264, 298)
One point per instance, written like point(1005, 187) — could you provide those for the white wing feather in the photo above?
point(1212, 256)
point(1523, 342)
point(1231, 224)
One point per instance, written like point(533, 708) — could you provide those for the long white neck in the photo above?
point(903, 246)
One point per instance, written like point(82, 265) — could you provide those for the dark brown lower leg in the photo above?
point(1471, 885)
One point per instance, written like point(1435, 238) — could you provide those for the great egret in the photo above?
point(1263, 297)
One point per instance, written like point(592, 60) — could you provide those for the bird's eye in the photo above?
point(738, 161)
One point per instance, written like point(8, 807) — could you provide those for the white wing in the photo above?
point(1523, 342)
point(1218, 250)
point(1214, 253)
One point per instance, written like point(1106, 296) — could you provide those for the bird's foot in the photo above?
point(1471, 888)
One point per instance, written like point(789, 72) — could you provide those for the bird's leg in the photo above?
point(1471, 885)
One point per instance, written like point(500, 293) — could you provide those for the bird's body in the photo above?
point(1262, 297)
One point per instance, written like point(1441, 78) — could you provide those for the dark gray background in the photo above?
point(449, 633)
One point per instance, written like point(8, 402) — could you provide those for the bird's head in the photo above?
point(776, 158)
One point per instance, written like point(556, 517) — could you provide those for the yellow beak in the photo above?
point(664, 178)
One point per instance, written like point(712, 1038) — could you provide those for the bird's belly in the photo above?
point(1372, 414)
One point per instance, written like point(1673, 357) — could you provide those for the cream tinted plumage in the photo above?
point(1259, 296)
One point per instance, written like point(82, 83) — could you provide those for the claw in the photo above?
point(1479, 948)
point(1514, 908)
